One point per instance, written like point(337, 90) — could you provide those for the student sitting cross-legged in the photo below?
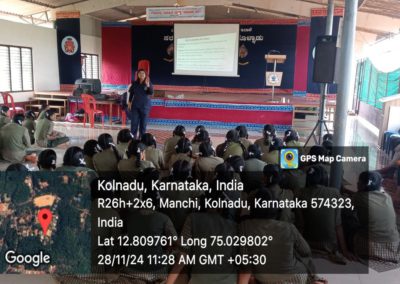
point(45, 135)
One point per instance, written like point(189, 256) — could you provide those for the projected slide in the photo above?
point(206, 49)
point(207, 53)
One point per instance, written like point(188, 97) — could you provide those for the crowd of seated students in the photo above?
point(297, 233)
point(19, 133)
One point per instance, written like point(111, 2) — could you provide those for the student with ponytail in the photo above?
point(269, 133)
point(153, 154)
point(377, 236)
point(205, 164)
point(129, 169)
point(183, 151)
point(169, 145)
point(124, 137)
point(243, 136)
point(106, 162)
point(200, 137)
point(90, 148)
point(322, 227)
point(232, 146)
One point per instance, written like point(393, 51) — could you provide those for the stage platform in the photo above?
point(226, 111)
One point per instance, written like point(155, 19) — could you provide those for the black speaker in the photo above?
point(324, 59)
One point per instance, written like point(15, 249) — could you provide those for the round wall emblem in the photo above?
point(69, 45)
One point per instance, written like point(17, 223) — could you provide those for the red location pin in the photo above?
point(45, 217)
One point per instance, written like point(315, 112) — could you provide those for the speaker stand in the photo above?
point(321, 123)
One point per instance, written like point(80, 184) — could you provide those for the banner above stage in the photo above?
point(187, 13)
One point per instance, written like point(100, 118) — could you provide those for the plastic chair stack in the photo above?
point(89, 106)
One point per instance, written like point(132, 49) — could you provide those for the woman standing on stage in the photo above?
point(139, 102)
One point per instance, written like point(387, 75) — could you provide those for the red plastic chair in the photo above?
point(8, 100)
point(89, 106)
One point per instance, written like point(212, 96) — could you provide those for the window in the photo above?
point(16, 70)
point(90, 66)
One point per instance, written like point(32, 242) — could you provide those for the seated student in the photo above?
point(15, 141)
point(169, 144)
point(272, 156)
point(30, 124)
point(130, 168)
point(205, 164)
point(272, 178)
point(319, 151)
point(243, 136)
point(45, 135)
point(237, 163)
point(289, 258)
point(124, 137)
point(181, 172)
point(74, 168)
point(4, 119)
point(152, 154)
point(183, 151)
point(322, 227)
point(208, 222)
point(200, 137)
point(42, 111)
point(291, 138)
point(269, 133)
point(47, 160)
point(195, 140)
point(377, 237)
point(253, 168)
point(232, 146)
point(148, 223)
point(90, 148)
point(106, 161)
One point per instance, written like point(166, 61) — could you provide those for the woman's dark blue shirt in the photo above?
point(140, 95)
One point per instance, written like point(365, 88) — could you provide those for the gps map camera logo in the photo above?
point(289, 159)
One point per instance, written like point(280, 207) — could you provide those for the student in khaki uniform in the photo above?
point(289, 259)
point(106, 161)
point(272, 156)
point(4, 119)
point(153, 154)
point(200, 137)
point(243, 136)
point(45, 135)
point(124, 137)
point(253, 169)
point(269, 133)
point(208, 222)
point(377, 236)
point(42, 111)
point(30, 124)
point(183, 151)
point(272, 178)
point(205, 164)
point(169, 144)
point(90, 148)
point(291, 138)
point(322, 227)
point(232, 146)
point(75, 170)
point(15, 141)
point(130, 168)
point(181, 172)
